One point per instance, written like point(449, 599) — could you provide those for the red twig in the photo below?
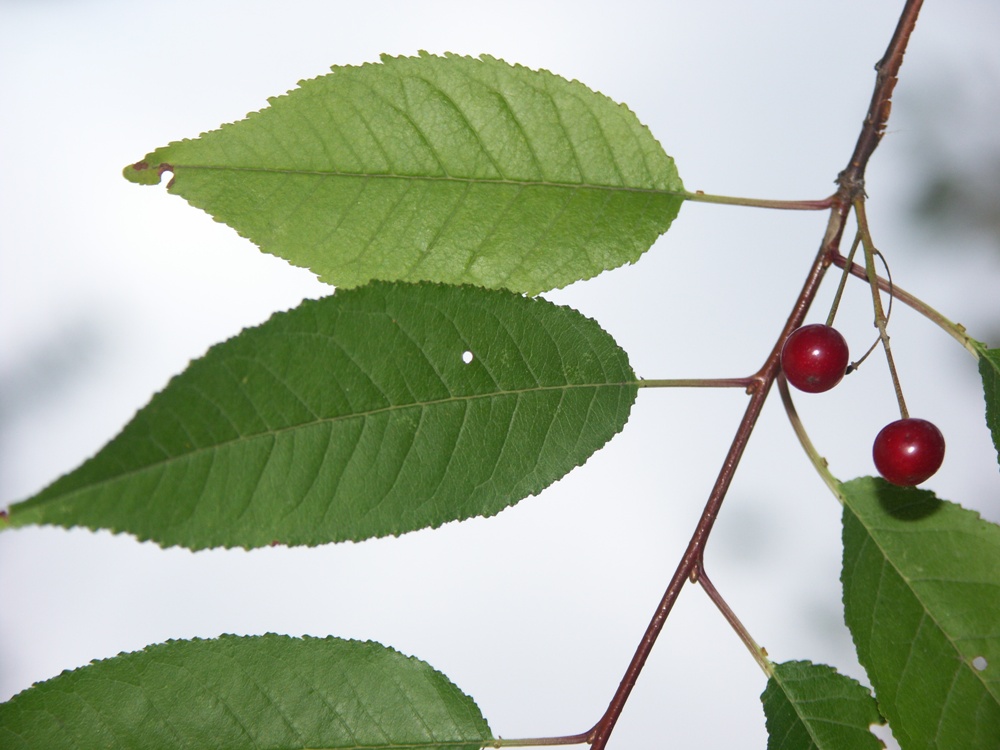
point(851, 188)
point(693, 555)
point(852, 179)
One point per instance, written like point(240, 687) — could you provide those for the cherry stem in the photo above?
point(880, 316)
point(888, 313)
point(843, 282)
point(812, 205)
point(700, 577)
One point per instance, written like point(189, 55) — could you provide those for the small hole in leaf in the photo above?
point(467, 357)
point(979, 663)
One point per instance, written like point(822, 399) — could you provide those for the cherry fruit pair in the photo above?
point(908, 451)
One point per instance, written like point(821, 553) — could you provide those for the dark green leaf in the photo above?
point(449, 169)
point(922, 600)
point(234, 693)
point(813, 707)
point(356, 416)
point(989, 369)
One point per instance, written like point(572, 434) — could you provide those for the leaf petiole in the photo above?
point(817, 460)
point(955, 330)
point(570, 739)
point(759, 654)
point(699, 196)
point(696, 383)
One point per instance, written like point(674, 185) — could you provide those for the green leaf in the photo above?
point(922, 600)
point(989, 369)
point(813, 707)
point(356, 416)
point(449, 169)
point(233, 693)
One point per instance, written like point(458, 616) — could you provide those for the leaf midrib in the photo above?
point(482, 742)
point(64, 496)
point(916, 595)
point(804, 721)
point(420, 178)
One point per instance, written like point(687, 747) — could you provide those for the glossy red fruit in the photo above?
point(814, 358)
point(908, 451)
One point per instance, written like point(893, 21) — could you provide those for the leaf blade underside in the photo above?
point(921, 584)
point(356, 416)
point(989, 370)
point(813, 707)
point(450, 169)
point(236, 692)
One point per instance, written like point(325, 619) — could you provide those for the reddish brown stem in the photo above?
point(693, 555)
point(852, 179)
point(851, 188)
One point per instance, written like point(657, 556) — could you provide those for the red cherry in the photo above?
point(908, 451)
point(814, 358)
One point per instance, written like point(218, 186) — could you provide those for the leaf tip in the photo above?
point(141, 173)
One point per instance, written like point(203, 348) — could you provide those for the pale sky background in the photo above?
point(108, 289)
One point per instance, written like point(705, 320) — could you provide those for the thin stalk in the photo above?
point(880, 317)
point(843, 282)
point(888, 313)
point(810, 205)
point(851, 187)
point(698, 383)
point(955, 330)
point(570, 739)
point(821, 464)
point(858, 362)
point(694, 554)
point(758, 653)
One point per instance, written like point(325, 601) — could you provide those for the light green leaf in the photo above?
point(813, 707)
point(233, 693)
point(356, 416)
point(989, 369)
point(449, 169)
point(922, 600)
